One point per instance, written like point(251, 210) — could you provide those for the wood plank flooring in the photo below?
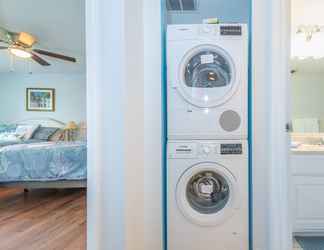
point(42, 219)
point(296, 246)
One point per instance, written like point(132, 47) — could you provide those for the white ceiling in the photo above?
point(307, 12)
point(59, 26)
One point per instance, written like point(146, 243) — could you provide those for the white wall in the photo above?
point(276, 58)
point(70, 92)
point(305, 12)
point(106, 157)
point(153, 125)
point(124, 121)
point(261, 137)
point(134, 126)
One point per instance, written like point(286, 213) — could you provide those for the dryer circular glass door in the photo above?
point(207, 76)
point(207, 194)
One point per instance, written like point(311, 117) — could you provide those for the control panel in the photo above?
point(182, 150)
point(231, 149)
point(231, 30)
point(188, 150)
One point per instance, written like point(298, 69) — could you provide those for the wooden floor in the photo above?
point(42, 220)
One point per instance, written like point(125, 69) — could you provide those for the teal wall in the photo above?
point(225, 10)
point(70, 96)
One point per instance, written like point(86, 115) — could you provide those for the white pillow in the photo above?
point(9, 137)
point(26, 132)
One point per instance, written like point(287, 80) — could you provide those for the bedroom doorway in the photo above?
point(43, 125)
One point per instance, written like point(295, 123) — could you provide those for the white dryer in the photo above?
point(207, 69)
point(207, 195)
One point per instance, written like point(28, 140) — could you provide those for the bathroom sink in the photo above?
point(308, 148)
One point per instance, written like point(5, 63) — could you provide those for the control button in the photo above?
point(206, 150)
point(216, 151)
point(207, 29)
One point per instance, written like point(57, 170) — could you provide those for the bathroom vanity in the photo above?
point(307, 169)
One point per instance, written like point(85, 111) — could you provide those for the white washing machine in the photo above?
point(207, 195)
point(207, 81)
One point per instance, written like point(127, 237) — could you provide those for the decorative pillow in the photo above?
point(7, 128)
point(44, 133)
point(57, 136)
point(26, 132)
point(8, 137)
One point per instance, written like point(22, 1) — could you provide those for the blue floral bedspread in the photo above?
point(45, 161)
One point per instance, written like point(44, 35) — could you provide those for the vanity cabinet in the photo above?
point(307, 169)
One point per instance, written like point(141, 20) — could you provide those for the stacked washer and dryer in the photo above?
point(207, 180)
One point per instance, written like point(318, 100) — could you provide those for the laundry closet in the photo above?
point(207, 89)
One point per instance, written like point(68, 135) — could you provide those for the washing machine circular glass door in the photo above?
point(207, 194)
point(207, 76)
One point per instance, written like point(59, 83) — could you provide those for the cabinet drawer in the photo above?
point(308, 203)
point(307, 165)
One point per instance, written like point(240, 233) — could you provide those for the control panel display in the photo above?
point(184, 149)
point(231, 149)
point(231, 30)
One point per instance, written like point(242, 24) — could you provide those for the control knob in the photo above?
point(206, 150)
point(207, 29)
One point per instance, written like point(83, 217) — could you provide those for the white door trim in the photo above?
point(271, 49)
point(124, 124)
point(280, 226)
point(260, 125)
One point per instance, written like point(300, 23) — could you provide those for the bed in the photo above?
point(43, 164)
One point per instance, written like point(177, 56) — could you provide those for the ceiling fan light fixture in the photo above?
point(27, 39)
point(21, 45)
point(20, 52)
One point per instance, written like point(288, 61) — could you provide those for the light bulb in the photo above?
point(20, 53)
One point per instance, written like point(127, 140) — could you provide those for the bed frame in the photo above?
point(45, 122)
point(62, 184)
point(45, 184)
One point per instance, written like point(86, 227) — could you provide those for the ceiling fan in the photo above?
point(21, 44)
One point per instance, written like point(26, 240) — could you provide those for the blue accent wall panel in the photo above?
point(226, 10)
point(164, 119)
point(250, 129)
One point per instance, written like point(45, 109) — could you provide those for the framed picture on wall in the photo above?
point(40, 99)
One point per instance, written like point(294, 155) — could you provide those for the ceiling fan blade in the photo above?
point(39, 60)
point(55, 55)
point(3, 47)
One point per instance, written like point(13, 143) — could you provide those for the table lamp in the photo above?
point(69, 129)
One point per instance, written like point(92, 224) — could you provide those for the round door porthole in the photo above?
point(207, 76)
point(207, 69)
point(207, 194)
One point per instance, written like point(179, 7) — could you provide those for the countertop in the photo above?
point(308, 149)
